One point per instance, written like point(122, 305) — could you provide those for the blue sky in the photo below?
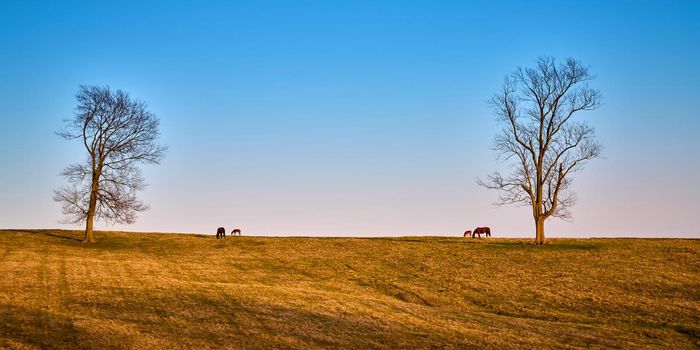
point(352, 118)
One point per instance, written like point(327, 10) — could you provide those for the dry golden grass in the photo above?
point(141, 291)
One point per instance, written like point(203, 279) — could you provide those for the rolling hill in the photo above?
point(148, 290)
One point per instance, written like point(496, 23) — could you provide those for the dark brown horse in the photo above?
point(480, 230)
point(467, 233)
point(220, 232)
point(236, 231)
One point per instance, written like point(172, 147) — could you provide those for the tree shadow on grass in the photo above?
point(51, 233)
point(212, 320)
point(105, 241)
point(22, 327)
point(558, 246)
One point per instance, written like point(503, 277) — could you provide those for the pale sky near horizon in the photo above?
point(360, 118)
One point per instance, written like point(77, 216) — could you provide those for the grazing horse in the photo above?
point(220, 232)
point(467, 233)
point(236, 231)
point(480, 230)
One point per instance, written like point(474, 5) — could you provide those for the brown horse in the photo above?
point(236, 231)
point(467, 233)
point(220, 232)
point(480, 230)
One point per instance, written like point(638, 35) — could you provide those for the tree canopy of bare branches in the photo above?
point(118, 134)
point(542, 139)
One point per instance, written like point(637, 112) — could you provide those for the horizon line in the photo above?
point(274, 235)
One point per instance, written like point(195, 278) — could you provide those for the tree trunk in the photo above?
point(89, 237)
point(539, 230)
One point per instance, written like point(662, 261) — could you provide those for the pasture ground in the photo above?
point(158, 291)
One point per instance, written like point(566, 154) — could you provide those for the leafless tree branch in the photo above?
point(118, 134)
point(541, 140)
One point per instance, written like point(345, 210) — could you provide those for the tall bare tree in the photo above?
point(541, 138)
point(118, 134)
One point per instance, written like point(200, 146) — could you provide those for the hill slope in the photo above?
point(137, 290)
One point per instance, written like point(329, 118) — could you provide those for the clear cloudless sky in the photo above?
point(352, 117)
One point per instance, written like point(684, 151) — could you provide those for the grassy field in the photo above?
point(141, 291)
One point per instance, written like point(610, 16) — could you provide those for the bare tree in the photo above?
point(119, 134)
point(545, 144)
